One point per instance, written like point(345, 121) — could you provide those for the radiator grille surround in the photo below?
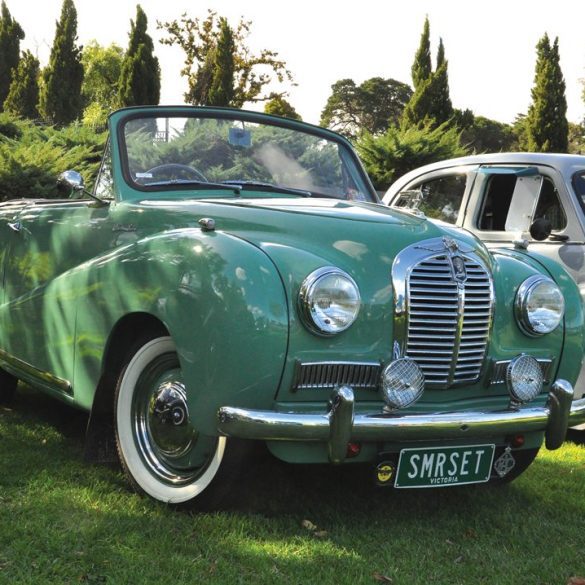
point(444, 306)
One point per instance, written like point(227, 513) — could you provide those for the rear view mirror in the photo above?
point(70, 183)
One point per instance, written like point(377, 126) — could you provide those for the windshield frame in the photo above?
point(229, 114)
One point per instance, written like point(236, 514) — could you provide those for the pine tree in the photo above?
point(23, 95)
point(10, 36)
point(422, 68)
point(60, 96)
point(221, 92)
point(139, 83)
point(547, 128)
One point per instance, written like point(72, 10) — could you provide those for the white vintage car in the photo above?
point(526, 200)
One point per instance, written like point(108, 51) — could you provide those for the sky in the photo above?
point(490, 46)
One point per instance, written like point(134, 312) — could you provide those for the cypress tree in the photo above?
point(547, 128)
point(60, 96)
point(23, 95)
point(441, 106)
point(430, 105)
point(221, 92)
point(139, 83)
point(10, 36)
point(422, 67)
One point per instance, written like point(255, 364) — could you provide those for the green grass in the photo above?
point(62, 521)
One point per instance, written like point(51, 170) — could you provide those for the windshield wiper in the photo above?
point(197, 184)
point(261, 186)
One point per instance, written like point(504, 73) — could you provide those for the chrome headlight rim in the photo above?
point(521, 304)
point(306, 292)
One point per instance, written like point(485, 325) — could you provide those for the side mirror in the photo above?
point(540, 229)
point(70, 181)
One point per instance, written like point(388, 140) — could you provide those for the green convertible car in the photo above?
point(232, 276)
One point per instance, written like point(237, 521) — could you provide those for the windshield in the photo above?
point(203, 153)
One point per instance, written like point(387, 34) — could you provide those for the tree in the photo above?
point(199, 40)
point(102, 66)
point(23, 95)
point(400, 150)
point(139, 83)
point(485, 135)
point(546, 124)
point(221, 90)
point(441, 108)
point(372, 106)
point(60, 95)
point(422, 68)
point(576, 138)
point(278, 106)
point(430, 105)
point(10, 36)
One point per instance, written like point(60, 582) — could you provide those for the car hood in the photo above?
point(335, 230)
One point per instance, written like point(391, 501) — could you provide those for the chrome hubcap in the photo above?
point(168, 420)
point(168, 443)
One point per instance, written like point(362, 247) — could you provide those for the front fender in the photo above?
point(221, 300)
point(571, 334)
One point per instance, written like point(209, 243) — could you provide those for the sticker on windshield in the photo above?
point(144, 175)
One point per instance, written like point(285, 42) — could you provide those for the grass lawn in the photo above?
point(62, 521)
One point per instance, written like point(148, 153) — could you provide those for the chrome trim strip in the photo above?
point(341, 424)
point(44, 378)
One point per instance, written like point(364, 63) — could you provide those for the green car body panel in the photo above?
point(74, 270)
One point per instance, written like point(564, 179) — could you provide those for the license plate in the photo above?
point(444, 466)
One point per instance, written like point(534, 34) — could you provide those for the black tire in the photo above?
point(523, 458)
point(8, 385)
point(160, 451)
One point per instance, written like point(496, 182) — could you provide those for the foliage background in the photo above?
point(32, 156)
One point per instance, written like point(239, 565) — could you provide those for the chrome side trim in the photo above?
point(21, 368)
point(341, 425)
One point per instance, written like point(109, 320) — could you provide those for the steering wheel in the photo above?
point(176, 171)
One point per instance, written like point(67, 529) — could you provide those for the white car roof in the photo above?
point(566, 164)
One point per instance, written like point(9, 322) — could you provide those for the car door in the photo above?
point(50, 238)
point(506, 200)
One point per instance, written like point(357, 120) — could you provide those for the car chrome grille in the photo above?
point(448, 321)
point(328, 375)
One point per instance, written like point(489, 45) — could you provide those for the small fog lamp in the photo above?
point(403, 383)
point(524, 378)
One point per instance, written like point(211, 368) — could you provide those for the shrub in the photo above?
point(32, 156)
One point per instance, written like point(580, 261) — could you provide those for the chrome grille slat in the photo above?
point(314, 376)
point(448, 321)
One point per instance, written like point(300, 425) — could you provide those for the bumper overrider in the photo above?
point(341, 424)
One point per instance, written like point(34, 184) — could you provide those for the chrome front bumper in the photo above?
point(341, 425)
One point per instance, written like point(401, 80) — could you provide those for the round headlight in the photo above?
point(329, 301)
point(540, 305)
